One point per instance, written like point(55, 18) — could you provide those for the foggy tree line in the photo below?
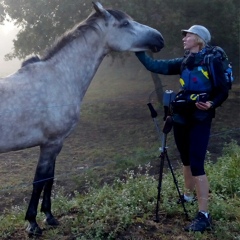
point(41, 21)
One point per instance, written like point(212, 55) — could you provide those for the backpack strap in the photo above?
point(211, 53)
point(184, 62)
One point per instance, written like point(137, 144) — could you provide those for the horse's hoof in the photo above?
point(51, 221)
point(34, 230)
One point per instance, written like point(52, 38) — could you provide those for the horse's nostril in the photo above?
point(156, 49)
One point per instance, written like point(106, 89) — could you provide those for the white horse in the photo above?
point(40, 103)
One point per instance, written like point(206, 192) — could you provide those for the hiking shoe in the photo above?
point(200, 223)
point(179, 201)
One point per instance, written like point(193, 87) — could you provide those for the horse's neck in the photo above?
point(78, 62)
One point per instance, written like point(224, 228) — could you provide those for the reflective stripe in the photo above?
point(205, 73)
point(181, 82)
point(194, 97)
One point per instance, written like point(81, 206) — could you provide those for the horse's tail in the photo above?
point(30, 60)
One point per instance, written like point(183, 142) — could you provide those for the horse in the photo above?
point(40, 102)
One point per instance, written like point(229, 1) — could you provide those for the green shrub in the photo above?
point(106, 211)
point(224, 175)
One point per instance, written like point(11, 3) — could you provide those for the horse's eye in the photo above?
point(125, 24)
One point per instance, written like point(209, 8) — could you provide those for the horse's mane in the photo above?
point(77, 31)
point(80, 30)
point(30, 60)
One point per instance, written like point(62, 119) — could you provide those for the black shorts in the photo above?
point(192, 141)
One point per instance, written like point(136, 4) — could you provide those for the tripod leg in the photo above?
point(176, 184)
point(159, 185)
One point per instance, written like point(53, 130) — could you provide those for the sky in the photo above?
point(7, 33)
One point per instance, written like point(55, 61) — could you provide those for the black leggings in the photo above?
point(192, 141)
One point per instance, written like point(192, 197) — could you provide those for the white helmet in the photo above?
point(199, 30)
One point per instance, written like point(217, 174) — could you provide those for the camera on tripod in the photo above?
point(168, 97)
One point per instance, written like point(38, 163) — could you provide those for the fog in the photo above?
point(7, 33)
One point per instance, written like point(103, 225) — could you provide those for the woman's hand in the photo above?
point(203, 105)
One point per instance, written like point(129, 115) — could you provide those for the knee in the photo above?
point(197, 171)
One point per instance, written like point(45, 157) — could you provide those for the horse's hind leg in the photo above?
point(43, 180)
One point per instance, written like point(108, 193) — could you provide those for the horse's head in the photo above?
point(124, 34)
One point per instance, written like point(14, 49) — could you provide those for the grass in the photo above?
point(109, 211)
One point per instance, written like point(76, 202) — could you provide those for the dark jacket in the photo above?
point(174, 67)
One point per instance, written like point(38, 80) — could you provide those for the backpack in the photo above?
point(217, 52)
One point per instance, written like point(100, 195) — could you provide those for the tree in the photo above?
point(41, 22)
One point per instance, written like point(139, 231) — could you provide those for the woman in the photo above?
point(193, 110)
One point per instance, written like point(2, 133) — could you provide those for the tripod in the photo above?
point(166, 129)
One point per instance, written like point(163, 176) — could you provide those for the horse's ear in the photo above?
point(100, 9)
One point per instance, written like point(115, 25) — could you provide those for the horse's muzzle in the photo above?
point(155, 49)
point(157, 45)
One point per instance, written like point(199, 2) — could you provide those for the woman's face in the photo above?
point(190, 42)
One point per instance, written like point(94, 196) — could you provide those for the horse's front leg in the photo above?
point(46, 204)
point(33, 228)
point(43, 180)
